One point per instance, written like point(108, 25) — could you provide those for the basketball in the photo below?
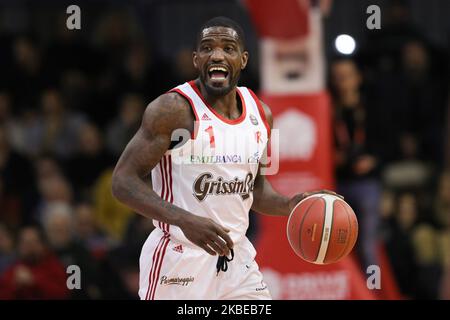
point(322, 229)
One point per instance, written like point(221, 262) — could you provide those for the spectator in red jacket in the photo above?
point(37, 274)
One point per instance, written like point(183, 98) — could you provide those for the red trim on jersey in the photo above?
point(163, 187)
point(170, 179)
point(160, 251)
point(226, 120)
point(166, 178)
point(191, 103)
point(262, 114)
point(162, 169)
point(158, 272)
point(159, 258)
point(152, 269)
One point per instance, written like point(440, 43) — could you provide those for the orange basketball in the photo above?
point(322, 229)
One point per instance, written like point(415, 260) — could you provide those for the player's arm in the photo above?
point(130, 183)
point(265, 199)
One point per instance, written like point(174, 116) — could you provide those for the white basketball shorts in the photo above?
point(170, 270)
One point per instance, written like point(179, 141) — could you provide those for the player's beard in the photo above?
point(219, 91)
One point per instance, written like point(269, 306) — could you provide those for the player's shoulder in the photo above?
point(170, 102)
point(169, 110)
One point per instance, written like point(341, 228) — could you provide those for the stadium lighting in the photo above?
point(345, 44)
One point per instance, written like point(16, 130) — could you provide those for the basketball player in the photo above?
point(202, 189)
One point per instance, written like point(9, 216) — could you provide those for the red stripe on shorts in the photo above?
point(152, 269)
point(155, 283)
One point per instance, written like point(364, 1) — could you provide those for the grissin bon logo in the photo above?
point(206, 185)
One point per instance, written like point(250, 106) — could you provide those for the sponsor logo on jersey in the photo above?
point(263, 287)
point(185, 281)
point(229, 158)
point(258, 136)
point(253, 120)
point(178, 248)
point(254, 158)
point(206, 185)
point(205, 117)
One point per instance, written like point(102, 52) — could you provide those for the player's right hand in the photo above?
point(207, 234)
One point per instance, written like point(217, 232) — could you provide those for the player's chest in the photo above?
point(240, 144)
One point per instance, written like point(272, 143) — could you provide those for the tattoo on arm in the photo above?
point(130, 186)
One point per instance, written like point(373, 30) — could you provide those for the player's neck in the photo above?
point(225, 105)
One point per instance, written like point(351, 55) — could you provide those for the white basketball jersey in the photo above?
point(212, 175)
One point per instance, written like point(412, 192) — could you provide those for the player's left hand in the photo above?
point(299, 197)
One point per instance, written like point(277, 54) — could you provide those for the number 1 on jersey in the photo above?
point(210, 131)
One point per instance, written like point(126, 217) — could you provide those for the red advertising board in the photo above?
point(292, 68)
point(305, 164)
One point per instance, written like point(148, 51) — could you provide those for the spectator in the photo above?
point(184, 68)
point(46, 167)
point(423, 86)
point(120, 275)
point(112, 39)
point(37, 274)
point(442, 217)
point(58, 225)
point(447, 139)
point(136, 75)
point(428, 246)
point(409, 170)
point(123, 128)
point(52, 189)
point(59, 128)
point(115, 31)
point(442, 201)
point(68, 52)
point(357, 159)
point(7, 249)
point(9, 122)
point(113, 216)
point(384, 47)
point(143, 74)
point(27, 78)
point(29, 131)
point(137, 232)
point(10, 206)
point(88, 233)
point(77, 89)
point(400, 246)
point(123, 260)
point(88, 161)
point(74, 64)
point(16, 183)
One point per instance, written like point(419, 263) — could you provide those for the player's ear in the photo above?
point(244, 60)
point(194, 59)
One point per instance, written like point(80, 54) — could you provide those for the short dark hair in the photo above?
point(223, 22)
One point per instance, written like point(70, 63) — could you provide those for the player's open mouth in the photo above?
point(218, 74)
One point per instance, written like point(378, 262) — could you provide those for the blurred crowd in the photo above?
point(392, 166)
point(70, 102)
point(68, 107)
